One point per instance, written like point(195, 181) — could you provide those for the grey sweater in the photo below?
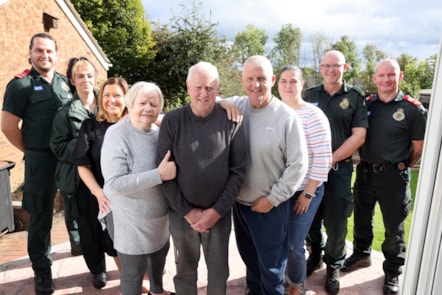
point(277, 149)
point(210, 154)
point(132, 183)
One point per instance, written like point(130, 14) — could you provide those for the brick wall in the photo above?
point(20, 19)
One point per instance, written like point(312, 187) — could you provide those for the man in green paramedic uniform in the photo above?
point(33, 98)
point(394, 143)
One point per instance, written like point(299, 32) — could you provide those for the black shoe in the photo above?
point(99, 280)
point(356, 261)
point(391, 284)
point(332, 280)
point(43, 284)
point(314, 261)
point(248, 292)
point(76, 251)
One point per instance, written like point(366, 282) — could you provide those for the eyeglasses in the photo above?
point(334, 67)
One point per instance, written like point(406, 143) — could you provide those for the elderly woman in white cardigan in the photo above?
point(133, 184)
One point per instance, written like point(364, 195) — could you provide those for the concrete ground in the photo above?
point(71, 275)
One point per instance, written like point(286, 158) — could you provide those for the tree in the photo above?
point(321, 43)
point(288, 45)
point(122, 31)
point(188, 38)
point(349, 49)
point(411, 79)
point(371, 56)
point(430, 68)
point(249, 42)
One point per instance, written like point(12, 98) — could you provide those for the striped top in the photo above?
point(318, 138)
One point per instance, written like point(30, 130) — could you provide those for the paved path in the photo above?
point(71, 275)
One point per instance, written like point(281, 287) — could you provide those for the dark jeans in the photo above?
point(299, 226)
point(262, 240)
point(392, 191)
point(335, 208)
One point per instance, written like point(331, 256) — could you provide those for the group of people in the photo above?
point(387, 128)
point(279, 168)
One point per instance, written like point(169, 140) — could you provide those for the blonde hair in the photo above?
point(82, 62)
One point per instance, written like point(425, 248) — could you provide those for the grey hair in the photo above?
point(205, 66)
point(130, 96)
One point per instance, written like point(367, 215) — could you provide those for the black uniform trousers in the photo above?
point(38, 199)
point(390, 187)
point(90, 230)
point(335, 208)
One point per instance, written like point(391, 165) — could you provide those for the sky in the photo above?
point(394, 26)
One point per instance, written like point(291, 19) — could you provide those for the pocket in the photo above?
point(39, 95)
point(39, 172)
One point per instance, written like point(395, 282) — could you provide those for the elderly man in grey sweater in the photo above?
point(210, 153)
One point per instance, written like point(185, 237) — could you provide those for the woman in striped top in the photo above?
point(306, 200)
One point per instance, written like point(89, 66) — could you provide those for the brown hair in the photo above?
point(102, 116)
point(44, 36)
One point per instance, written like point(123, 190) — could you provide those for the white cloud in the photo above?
point(394, 26)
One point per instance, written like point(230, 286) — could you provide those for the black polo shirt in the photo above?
point(393, 125)
point(36, 101)
point(345, 110)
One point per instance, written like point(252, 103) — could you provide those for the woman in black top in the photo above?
point(87, 157)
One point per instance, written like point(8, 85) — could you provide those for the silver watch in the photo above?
point(309, 195)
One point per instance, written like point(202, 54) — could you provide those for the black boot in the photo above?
point(314, 261)
point(355, 262)
point(332, 280)
point(99, 280)
point(391, 284)
point(43, 284)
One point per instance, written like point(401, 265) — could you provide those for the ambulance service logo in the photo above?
point(399, 115)
point(344, 103)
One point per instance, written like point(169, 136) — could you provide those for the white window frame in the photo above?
point(423, 266)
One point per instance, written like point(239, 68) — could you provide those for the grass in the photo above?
point(378, 229)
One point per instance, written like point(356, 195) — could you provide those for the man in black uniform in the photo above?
point(33, 98)
point(394, 143)
point(344, 106)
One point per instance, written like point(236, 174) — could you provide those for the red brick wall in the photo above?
point(20, 19)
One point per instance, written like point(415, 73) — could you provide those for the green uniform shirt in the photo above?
point(345, 110)
point(393, 126)
point(36, 102)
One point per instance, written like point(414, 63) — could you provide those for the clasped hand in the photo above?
point(202, 220)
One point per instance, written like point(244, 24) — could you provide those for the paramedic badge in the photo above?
point(399, 115)
point(344, 103)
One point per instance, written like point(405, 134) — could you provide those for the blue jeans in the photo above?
point(188, 243)
point(262, 240)
point(299, 227)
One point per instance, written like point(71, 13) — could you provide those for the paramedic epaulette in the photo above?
point(23, 74)
point(413, 101)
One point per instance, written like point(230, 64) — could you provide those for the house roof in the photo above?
point(84, 32)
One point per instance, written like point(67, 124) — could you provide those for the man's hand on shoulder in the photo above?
point(233, 112)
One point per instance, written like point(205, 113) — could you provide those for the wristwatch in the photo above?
point(309, 195)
